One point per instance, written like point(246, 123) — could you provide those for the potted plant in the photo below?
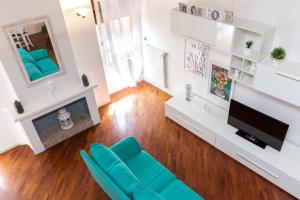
point(278, 54)
point(248, 46)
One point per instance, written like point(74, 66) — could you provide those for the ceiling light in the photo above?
point(82, 12)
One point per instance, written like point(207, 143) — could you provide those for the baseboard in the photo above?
point(9, 147)
point(104, 103)
point(166, 90)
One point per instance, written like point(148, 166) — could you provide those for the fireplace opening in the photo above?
point(50, 129)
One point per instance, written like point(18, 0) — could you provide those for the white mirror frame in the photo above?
point(27, 22)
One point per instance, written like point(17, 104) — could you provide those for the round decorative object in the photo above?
point(247, 51)
point(215, 15)
point(64, 118)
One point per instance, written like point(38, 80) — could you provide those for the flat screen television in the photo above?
point(257, 127)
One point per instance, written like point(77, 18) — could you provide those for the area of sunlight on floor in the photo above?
point(121, 109)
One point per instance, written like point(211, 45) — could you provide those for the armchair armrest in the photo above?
point(39, 54)
point(126, 148)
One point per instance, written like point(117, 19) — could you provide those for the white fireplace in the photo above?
point(39, 126)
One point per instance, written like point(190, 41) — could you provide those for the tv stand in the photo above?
point(251, 139)
point(281, 168)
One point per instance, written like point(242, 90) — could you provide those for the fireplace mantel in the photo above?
point(44, 103)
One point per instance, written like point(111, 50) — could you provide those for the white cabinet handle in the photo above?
point(188, 123)
point(257, 165)
point(288, 76)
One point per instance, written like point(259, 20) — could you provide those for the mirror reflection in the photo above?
point(36, 53)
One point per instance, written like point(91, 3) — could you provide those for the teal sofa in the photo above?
point(37, 63)
point(126, 172)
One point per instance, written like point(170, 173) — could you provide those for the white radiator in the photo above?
point(155, 66)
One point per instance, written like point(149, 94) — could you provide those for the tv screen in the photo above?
point(257, 125)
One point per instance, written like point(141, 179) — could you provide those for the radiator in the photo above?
point(155, 66)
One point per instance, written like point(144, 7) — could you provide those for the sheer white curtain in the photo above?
point(122, 21)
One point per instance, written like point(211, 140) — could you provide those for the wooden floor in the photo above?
point(60, 173)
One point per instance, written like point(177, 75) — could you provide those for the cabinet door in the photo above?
point(278, 84)
point(217, 35)
point(224, 37)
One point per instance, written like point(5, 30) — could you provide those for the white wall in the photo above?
point(83, 36)
point(15, 11)
point(8, 139)
point(281, 13)
point(7, 136)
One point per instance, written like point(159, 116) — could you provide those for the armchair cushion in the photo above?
point(26, 56)
point(103, 156)
point(34, 74)
point(150, 172)
point(126, 148)
point(39, 54)
point(115, 168)
point(146, 194)
point(127, 181)
point(40, 60)
point(177, 190)
point(47, 65)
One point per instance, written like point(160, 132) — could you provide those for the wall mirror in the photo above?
point(34, 46)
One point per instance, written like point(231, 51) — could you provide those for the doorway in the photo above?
point(119, 34)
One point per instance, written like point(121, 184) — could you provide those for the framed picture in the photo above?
point(196, 57)
point(220, 84)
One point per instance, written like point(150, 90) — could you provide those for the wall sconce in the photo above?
point(82, 12)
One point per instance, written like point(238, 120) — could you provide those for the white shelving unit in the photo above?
point(281, 168)
point(217, 34)
point(229, 38)
point(281, 81)
point(251, 69)
point(242, 70)
point(262, 36)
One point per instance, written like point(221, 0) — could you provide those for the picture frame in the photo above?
point(182, 7)
point(214, 14)
point(196, 57)
point(220, 84)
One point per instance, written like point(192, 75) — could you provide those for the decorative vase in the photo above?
point(247, 51)
point(64, 118)
point(188, 91)
point(85, 80)
point(276, 62)
point(220, 91)
point(236, 73)
point(207, 108)
point(19, 107)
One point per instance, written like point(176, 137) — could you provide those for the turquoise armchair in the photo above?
point(37, 63)
point(126, 172)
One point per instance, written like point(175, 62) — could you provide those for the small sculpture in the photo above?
point(85, 80)
point(19, 107)
point(64, 118)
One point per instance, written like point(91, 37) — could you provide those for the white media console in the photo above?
point(209, 122)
